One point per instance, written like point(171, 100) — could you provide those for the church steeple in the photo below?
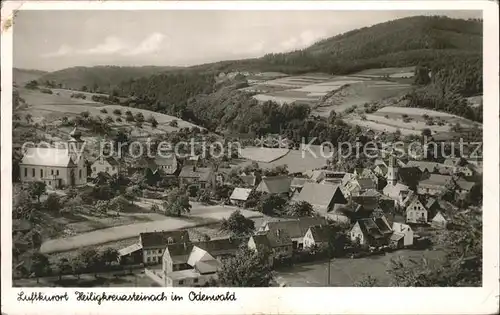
point(392, 171)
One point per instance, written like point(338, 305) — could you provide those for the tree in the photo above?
point(84, 88)
point(421, 76)
point(33, 84)
point(204, 196)
point(90, 259)
point(246, 269)
point(108, 120)
point(177, 202)
point(238, 224)
point(37, 189)
point(426, 132)
point(52, 203)
point(139, 117)
point(110, 255)
point(77, 266)
point(463, 264)
point(28, 118)
point(40, 265)
point(173, 123)
point(63, 266)
point(299, 209)
point(271, 204)
point(332, 117)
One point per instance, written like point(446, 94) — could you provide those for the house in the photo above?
point(204, 177)
point(411, 176)
point(108, 165)
point(435, 185)
point(222, 248)
point(277, 242)
point(416, 212)
point(430, 167)
point(398, 192)
point(55, 167)
point(187, 265)
point(295, 227)
point(279, 185)
point(333, 178)
point(433, 206)
point(325, 199)
point(153, 243)
point(439, 221)
point(361, 207)
point(240, 196)
point(371, 231)
point(402, 235)
point(368, 173)
point(166, 165)
point(130, 255)
point(358, 186)
point(318, 235)
point(464, 188)
point(380, 170)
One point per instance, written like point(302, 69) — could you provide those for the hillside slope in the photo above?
point(101, 78)
point(22, 76)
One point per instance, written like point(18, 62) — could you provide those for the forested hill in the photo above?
point(99, 78)
point(408, 41)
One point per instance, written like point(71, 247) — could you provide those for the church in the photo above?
point(56, 167)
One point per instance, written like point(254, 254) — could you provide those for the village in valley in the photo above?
point(93, 208)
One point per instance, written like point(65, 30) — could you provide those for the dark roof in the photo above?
point(272, 238)
point(366, 183)
point(295, 227)
point(111, 160)
point(201, 173)
point(275, 184)
point(180, 249)
point(463, 184)
point(162, 238)
point(318, 195)
point(369, 203)
point(250, 180)
point(221, 246)
point(437, 180)
point(322, 233)
point(374, 227)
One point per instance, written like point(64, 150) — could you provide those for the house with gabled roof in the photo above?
point(318, 235)
point(435, 185)
point(153, 243)
point(368, 173)
point(240, 195)
point(297, 184)
point(440, 220)
point(187, 265)
point(402, 235)
point(380, 170)
point(277, 242)
point(279, 185)
point(464, 188)
point(371, 231)
point(416, 212)
point(167, 165)
point(357, 186)
point(106, 164)
point(295, 227)
point(204, 177)
point(325, 199)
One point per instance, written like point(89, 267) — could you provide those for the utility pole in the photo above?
point(328, 277)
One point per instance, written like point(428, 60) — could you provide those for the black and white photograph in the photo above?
point(248, 148)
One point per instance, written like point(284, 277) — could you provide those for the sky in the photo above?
point(53, 40)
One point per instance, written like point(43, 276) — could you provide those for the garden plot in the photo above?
point(391, 72)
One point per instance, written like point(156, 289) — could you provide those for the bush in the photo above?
point(128, 113)
point(117, 112)
point(46, 91)
point(130, 118)
point(119, 119)
point(173, 123)
point(104, 111)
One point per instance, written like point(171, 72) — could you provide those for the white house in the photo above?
point(416, 212)
point(105, 164)
point(402, 234)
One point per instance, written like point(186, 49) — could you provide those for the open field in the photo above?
point(345, 272)
point(51, 107)
point(390, 118)
point(200, 215)
point(391, 72)
point(260, 154)
point(358, 94)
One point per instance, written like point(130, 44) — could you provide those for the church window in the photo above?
point(33, 173)
point(25, 172)
point(51, 172)
point(57, 172)
point(50, 183)
point(80, 174)
point(41, 173)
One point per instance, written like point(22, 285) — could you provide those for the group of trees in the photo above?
point(87, 260)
